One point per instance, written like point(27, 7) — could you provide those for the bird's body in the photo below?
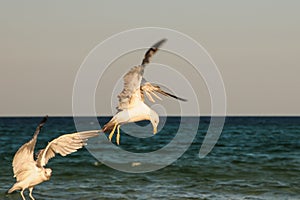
point(29, 172)
point(131, 106)
point(32, 176)
point(137, 113)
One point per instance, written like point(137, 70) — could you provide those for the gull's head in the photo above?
point(154, 119)
point(47, 173)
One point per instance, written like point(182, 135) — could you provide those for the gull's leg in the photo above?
point(22, 194)
point(30, 193)
point(112, 132)
point(118, 135)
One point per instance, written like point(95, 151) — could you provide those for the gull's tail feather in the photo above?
point(13, 188)
point(152, 51)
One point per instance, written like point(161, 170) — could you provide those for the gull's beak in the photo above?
point(154, 130)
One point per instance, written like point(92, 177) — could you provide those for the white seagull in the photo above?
point(30, 172)
point(131, 106)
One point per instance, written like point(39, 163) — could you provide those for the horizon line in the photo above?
point(205, 115)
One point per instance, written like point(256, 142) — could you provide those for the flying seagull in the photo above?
point(30, 172)
point(131, 107)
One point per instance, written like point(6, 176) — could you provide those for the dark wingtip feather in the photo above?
point(41, 124)
point(152, 51)
point(181, 99)
point(44, 120)
point(171, 95)
point(159, 43)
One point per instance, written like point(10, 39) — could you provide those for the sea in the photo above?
point(254, 158)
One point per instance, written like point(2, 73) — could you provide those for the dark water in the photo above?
point(255, 158)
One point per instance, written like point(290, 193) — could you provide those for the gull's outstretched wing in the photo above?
point(64, 145)
point(130, 93)
point(132, 80)
point(150, 90)
point(23, 160)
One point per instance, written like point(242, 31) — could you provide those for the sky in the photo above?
point(255, 45)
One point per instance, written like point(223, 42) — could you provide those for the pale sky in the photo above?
point(255, 44)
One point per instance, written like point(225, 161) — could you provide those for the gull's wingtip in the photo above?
point(152, 51)
point(185, 100)
point(44, 119)
point(41, 124)
point(159, 43)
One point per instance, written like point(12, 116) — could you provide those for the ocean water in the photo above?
point(255, 158)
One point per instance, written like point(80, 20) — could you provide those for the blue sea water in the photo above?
point(255, 158)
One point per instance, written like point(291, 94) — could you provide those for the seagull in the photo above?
point(131, 107)
point(30, 172)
